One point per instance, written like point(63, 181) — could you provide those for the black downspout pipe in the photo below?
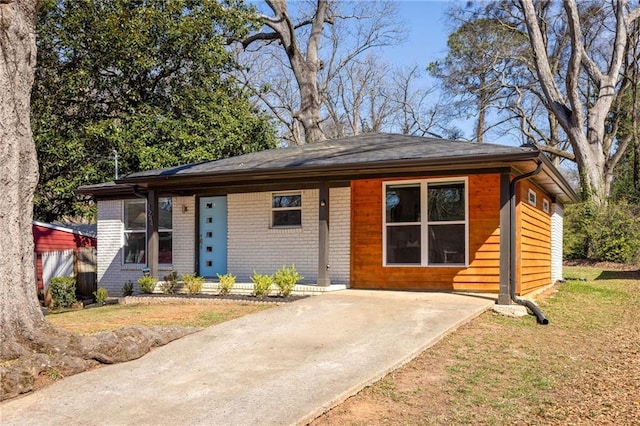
point(512, 249)
point(137, 193)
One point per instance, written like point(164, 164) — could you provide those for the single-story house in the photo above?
point(373, 211)
point(64, 250)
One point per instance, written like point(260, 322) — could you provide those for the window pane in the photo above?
point(165, 248)
point(135, 217)
point(287, 218)
point(289, 200)
point(135, 244)
point(165, 216)
point(403, 244)
point(403, 203)
point(446, 202)
point(446, 244)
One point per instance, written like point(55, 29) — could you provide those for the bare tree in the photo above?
point(584, 117)
point(348, 29)
point(419, 109)
point(357, 98)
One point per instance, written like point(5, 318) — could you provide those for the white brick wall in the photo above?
point(253, 245)
point(112, 273)
point(184, 231)
point(340, 235)
point(557, 219)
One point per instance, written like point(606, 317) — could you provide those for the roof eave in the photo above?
point(329, 172)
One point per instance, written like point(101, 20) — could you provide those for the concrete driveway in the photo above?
point(285, 365)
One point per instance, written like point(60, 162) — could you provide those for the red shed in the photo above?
point(63, 250)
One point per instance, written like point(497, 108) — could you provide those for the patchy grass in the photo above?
point(582, 368)
point(106, 318)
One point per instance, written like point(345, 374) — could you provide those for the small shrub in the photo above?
point(193, 283)
point(261, 284)
point(146, 284)
point(227, 281)
point(63, 291)
point(127, 289)
point(170, 283)
point(101, 295)
point(286, 278)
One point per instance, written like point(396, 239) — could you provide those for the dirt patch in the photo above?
point(605, 266)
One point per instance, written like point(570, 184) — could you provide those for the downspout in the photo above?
point(137, 193)
point(512, 248)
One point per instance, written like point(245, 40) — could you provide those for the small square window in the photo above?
point(209, 220)
point(286, 210)
point(209, 234)
point(545, 206)
point(533, 198)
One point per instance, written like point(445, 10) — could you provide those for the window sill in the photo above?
point(285, 230)
point(417, 265)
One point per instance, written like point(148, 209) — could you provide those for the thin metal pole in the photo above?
point(115, 156)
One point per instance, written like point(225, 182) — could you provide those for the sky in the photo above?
point(426, 42)
point(428, 31)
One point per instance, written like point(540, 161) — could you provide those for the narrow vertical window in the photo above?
point(165, 230)
point(135, 231)
point(403, 226)
point(446, 222)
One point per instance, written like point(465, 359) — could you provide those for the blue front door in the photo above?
point(213, 236)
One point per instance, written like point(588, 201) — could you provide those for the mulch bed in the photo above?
point(205, 298)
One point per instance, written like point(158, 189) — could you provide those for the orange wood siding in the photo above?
point(483, 272)
point(533, 240)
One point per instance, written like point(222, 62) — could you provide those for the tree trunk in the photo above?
point(21, 318)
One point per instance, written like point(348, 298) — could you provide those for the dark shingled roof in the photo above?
point(340, 160)
point(366, 149)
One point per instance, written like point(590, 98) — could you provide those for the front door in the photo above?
point(213, 236)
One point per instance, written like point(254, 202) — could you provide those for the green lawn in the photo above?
point(111, 317)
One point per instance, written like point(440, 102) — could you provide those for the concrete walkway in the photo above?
point(285, 365)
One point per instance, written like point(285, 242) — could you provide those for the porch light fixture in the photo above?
point(323, 203)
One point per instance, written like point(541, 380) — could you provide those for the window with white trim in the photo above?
point(165, 230)
point(286, 210)
point(135, 231)
point(533, 198)
point(425, 223)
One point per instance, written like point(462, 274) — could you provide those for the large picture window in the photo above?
point(425, 223)
point(286, 210)
point(135, 231)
